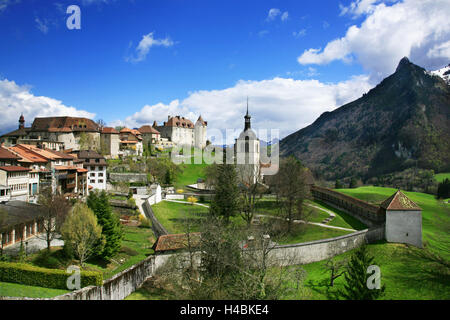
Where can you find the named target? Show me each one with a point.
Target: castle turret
(21, 122)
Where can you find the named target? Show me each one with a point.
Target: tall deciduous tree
(98, 202)
(81, 232)
(289, 184)
(55, 208)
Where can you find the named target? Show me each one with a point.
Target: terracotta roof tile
(176, 241)
(148, 129)
(14, 168)
(6, 154)
(399, 202)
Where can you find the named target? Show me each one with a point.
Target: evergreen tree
(225, 203)
(109, 221)
(443, 190)
(338, 184)
(356, 276)
(353, 183)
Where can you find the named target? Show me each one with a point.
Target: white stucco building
(403, 220)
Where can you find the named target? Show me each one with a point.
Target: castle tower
(200, 133)
(21, 122)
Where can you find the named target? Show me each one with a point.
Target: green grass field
(435, 214)
(309, 232)
(19, 290)
(176, 216)
(136, 246)
(442, 176)
(190, 173)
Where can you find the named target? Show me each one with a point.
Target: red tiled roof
(14, 168)
(64, 124)
(28, 155)
(399, 202)
(179, 122)
(125, 130)
(148, 129)
(6, 154)
(176, 241)
(109, 130)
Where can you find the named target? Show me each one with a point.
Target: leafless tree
(290, 186)
(336, 269)
(55, 208)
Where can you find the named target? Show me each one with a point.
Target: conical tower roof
(399, 201)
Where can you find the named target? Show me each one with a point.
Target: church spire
(247, 119)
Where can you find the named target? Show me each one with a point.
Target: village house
(54, 168)
(110, 142)
(130, 142)
(96, 165)
(17, 180)
(21, 222)
(150, 136)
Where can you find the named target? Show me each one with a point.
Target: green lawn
(309, 232)
(439, 177)
(435, 214)
(19, 290)
(407, 276)
(342, 219)
(175, 216)
(190, 173)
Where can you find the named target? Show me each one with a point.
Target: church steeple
(247, 119)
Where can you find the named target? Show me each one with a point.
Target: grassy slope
(311, 233)
(405, 274)
(435, 214)
(173, 215)
(139, 240)
(190, 173)
(442, 176)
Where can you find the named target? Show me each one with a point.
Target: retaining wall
(157, 227)
(369, 214)
(128, 177)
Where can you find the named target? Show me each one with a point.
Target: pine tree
(110, 223)
(225, 203)
(356, 276)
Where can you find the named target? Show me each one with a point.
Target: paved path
(34, 244)
(302, 221)
(187, 202)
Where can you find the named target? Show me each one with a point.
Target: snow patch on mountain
(444, 73)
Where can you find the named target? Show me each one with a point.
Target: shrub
(46, 260)
(145, 223)
(49, 278)
(129, 251)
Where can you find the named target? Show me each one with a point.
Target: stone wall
(308, 252)
(157, 227)
(369, 214)
(128, 177)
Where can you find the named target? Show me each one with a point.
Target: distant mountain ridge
(403, 122)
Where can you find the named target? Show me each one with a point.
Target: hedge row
(49, 278)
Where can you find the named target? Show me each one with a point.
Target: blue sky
(137, 61)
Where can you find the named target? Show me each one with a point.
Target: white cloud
(16, 99)
(273, 13)
(42, 25)
(298, 34)
(279, 103)
(262, 33)
(146, 43)
(440, 50)
(418, 29)
(5, 3)
(359, 7)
